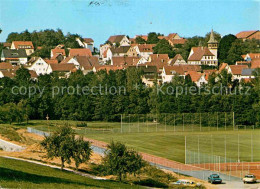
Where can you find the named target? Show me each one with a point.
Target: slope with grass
(20, 174)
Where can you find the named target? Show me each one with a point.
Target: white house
(14, 56)
(27, 45)
(198, 78)
(169, 72)
(86, 43)
(122, 40)
(38, 65)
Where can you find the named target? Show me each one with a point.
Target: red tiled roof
(51, 61)
(255, 63)
(109, 67)
(176, 57)
(187, 68)
(165, 57)
(17, 44)
(87, 62)
(7, 44)
(245, 34)
(125, 61)
(146, 47)
(8, 73)
(62, 67)
(237, 69)
(199, 52)
(80, 52)
(88, 40)
(170, 69)
(58, 51)
(33, 74)
(222, 67)
(5, 66)
(116, 38)
(178, 41)
(195, 76)
(145, 37)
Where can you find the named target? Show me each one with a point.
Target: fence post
(138, 124)
(233, 120)
(217, 121)
(198, 149)
(185, 149)
(200, 121)
(165, 123)
(174, 122)
(252, 152)
(225, 121)
(238, 147)
(121, 123)
(182, 121)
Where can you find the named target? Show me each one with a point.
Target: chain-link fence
(233, 154)
(181, 122)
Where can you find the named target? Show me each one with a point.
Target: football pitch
(169, 142)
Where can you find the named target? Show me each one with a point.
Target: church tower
(213, 44)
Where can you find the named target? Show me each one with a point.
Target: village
(120, 52)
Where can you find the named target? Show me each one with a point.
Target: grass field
(20, 174)
(170, 144)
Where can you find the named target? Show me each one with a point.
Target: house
(27, 45)
(250, 56)
(158, 58)
(107, 68)
(103, 51)
(144, 50)
(63, 70)
(150, 74)
(14, 56)
(169, 72)
(236, 71)
(38, 65)
(86, 43)
(247, 73)
(7, 45)
(83, 63)
(255, 63)
(120, 40)
(177, 60)
(56, 52)
(60, 46)
(125, 61)
(198, 78)
(117, 51)
(7, 73)
(244, 35)
(205, 55)
(80, 52)
(6, 66)
(132, 50)
(174, 39)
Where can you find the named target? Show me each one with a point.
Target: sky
(99, 19)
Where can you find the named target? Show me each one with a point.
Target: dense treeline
(46, 39)
(122, 92)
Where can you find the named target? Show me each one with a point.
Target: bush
(82, 124)
(151, 183)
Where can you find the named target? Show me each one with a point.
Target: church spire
(212, 38)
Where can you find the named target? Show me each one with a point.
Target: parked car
(249, 179)
(214, 178)
(184, 182)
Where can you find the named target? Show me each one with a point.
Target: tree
(60, 144)
(224, 47)
(152, 38)
(22, 75)
(81, 151)
(163, 47)
(140, 40)
(119, 160)
(235, 52)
